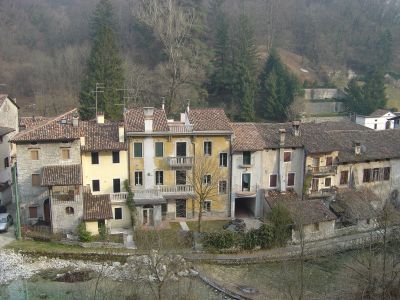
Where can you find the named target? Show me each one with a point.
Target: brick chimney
(148, 118)
(121, 133)
(296, 128)
(100, 118)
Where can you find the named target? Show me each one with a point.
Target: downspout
(193, 174)
(304, 172)
(230, 178)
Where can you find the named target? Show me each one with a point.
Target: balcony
(118, 197)
(180, 162)
(180, 128)
(159, 193)
(323, 193)
(241, 192)
(322, 170)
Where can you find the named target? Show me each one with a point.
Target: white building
(379, 120)
(8, 128)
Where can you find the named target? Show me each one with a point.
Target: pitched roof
(356, 204)
(100, 137)
(309, 212)
(61, 175)
(209, 119)
(3, 98)
(96, 207)
(5, 130)
(246, 137)
(59, 128)
(28, 122)
(134, 120)
(379, 113)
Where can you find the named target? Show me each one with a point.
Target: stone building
(8, 128)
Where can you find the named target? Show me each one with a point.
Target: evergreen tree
(365, 98)
(278, 88)
(104, 66)
(244, 69)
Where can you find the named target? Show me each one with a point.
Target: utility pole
(99, 89)
(16, 198)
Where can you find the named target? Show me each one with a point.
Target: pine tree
(244, 69)
(278, 88)
(104, 66)
(354, 98)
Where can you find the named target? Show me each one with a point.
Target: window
(138, 178)
(69, 210)
(115, 157)
(33, 212)
(65, 154)
(159, 177)
(207, 205)
(246, 158)
(207, 179)
(329, 161)
(273, 180)
(375, 126)
(207, 148)
(6, 162)
(375, 174)
(223, 159)
(180, 177)
(96, 185)
(290, 180)
(222, 187)
(116, 185)
(344, 177)
(367, 175)
(287, 156)
(328, 182)
(137, 150)
(35, 180)
(386, 173)
(315, 227)
(95, 158)
(159, 149)
(246, 178)
(118, 213)
(35, 154)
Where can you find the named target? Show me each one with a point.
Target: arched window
(69, 210)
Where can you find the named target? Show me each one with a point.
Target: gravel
(14, 265)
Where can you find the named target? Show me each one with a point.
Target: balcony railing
(180, 162)
(180, 128)
(119, 197)
(322, 193)
(322, 170)
(163, 191)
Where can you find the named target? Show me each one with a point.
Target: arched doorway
(46, 211)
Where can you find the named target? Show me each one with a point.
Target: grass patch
(163, 239)
(393, 95)
(111, 238)
(208, 226)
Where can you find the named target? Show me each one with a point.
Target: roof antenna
(163, 103)
(187, 105)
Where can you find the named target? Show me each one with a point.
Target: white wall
(380, 122)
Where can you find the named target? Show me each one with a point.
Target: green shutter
(137, 150)
(159, 149)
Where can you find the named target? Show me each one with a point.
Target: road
(7, 237)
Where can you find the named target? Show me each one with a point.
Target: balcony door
(148, 218)
(181, 149)
(181, 208)
(314, 184)
(246, 181)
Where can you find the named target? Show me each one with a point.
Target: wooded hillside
(45, 45)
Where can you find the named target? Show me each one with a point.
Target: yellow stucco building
(164, 156)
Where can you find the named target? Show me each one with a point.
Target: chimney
(100, 118)
(163, 103)
(188, 106)
(282, 137)
(83, 141)
(148, 118)
(357, 148)
(75, 120)
(121, 133)
(296, 128)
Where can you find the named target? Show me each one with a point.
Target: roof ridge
(46, 123)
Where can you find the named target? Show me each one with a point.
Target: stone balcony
(322, 170)
(180, 128)
(119, 197)
(180, 162)
(162, 192)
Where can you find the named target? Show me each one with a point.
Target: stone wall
(319, 94)
(63, 222)
(327, 107)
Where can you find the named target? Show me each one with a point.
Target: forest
(213, 52)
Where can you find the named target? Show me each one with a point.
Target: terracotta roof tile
(247, 137)
(209, 119)
(356, 204)
(96, 207)
(100, 137)
(379, 113)
(134, 120)
(59, 128)
(28, 122)
(61, 175)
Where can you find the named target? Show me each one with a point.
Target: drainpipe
(304, 173)
(193, 174)
(230, 178)
(17, 212)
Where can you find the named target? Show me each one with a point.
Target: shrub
(281, 224)
(265, 236)
(84, 235)
(251, 240)
(103, 234)
(220, 240)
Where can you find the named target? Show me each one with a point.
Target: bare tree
(172, 25)
(205, 181)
